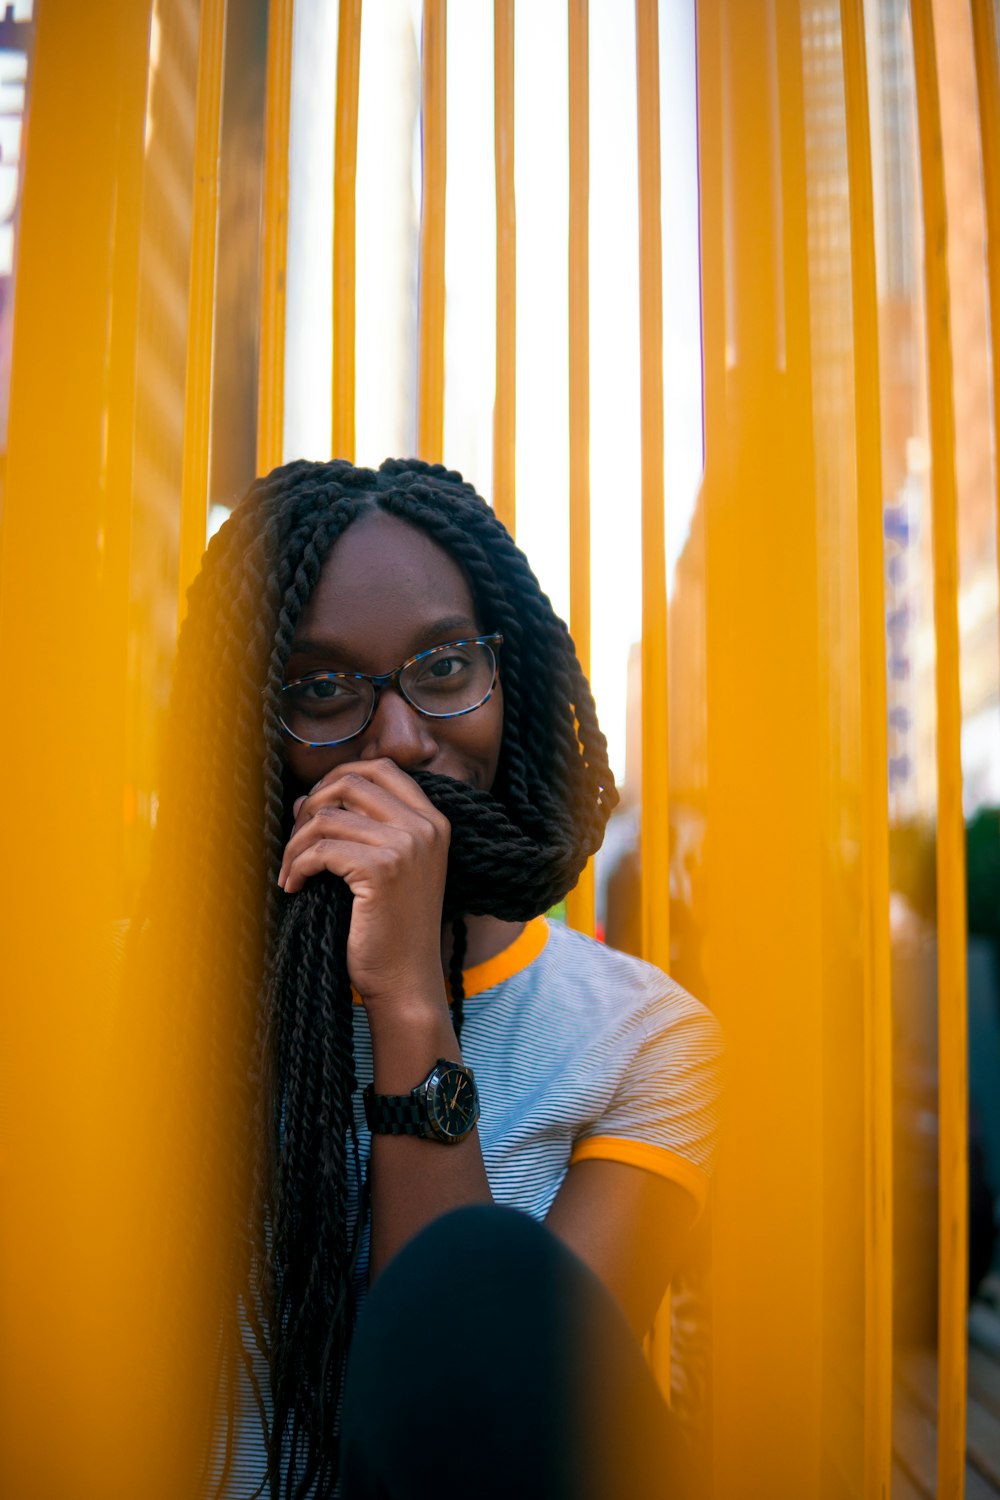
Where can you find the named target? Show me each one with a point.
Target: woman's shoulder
(582, 973)
(592, 962)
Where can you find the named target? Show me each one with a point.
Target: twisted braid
(255, 984)
(456, 982)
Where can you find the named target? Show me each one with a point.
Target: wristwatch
(445, 1107)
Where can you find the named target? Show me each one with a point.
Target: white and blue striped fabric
(579, 1053)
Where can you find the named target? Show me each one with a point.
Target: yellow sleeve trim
(656, 1159)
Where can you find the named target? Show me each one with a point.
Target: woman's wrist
(409, 1033)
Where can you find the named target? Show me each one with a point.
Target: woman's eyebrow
(453, 625)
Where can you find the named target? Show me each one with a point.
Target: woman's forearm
(414, 1181)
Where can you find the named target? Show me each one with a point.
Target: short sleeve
(664, 1114)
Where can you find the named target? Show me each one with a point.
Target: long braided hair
(264, 976)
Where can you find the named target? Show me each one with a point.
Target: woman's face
(387, 591)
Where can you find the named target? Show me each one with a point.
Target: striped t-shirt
(580, 1053)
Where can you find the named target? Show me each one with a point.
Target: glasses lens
(451, 679)
(326, 707)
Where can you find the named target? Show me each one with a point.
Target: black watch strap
(444, 1106)
(393, 1114)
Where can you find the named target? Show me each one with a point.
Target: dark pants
(490, 1362)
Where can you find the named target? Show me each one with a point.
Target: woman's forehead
(383, 586)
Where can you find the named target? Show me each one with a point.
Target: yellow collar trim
(510, 960)
(503, 965)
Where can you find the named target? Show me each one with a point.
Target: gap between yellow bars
(433, 127)
(201, 298)
(345, 172)
(953, 1147)
(655, 837)
(580, 902)
(271, 361)
(878, 1224)
(984, 31)
(504, 410)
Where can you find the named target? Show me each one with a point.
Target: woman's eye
(321, 690)
(442, 668)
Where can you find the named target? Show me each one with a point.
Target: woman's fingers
(375, 787)
(358, 863)
(335, 823)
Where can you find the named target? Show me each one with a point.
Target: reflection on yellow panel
(504, 413)
(953, 1191)
(580, 901)
(430, 414)
(344, 206)
(271, 365)
(201, 301)
(766, 797)
(79, 1322)
(655, 829)
(874, 885)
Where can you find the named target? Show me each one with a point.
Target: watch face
(452, 1103)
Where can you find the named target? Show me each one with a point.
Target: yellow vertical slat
(504, 411)
(766, 851)
(345, 171)
(655, 836)
(878, 1226)
(580, 902)
(68, 519)
(953, 1102)
(271, 365)
(433, 130)
(201, 296)
(984, 33)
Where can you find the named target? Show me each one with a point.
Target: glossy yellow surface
(433, 136)
(580, 901)
(504, 410)
(78, 1318)
(878, 1241)
(344, 217)
(271, 363)
(987, 54)
(201, 297)
(831, 359)
(765, 841)
(953, 1042)
(655, 831)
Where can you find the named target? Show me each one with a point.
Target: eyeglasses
(327, 708)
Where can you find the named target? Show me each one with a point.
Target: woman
(384, 766)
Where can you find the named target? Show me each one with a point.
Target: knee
(494, 1260)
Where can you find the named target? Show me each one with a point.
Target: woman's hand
(370, 823)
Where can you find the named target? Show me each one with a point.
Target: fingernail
(297, 804)
(281, 879)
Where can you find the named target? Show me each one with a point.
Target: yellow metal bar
(580, 902)
(953, 1101)
(504, 411)
(984, 31)
(201, 297)
(655, 837)
(877, 1000)
(271, 366)
(345, 171)
(68, 525)
(433, 125)
(767, 797)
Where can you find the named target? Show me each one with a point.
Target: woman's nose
(398, 732)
